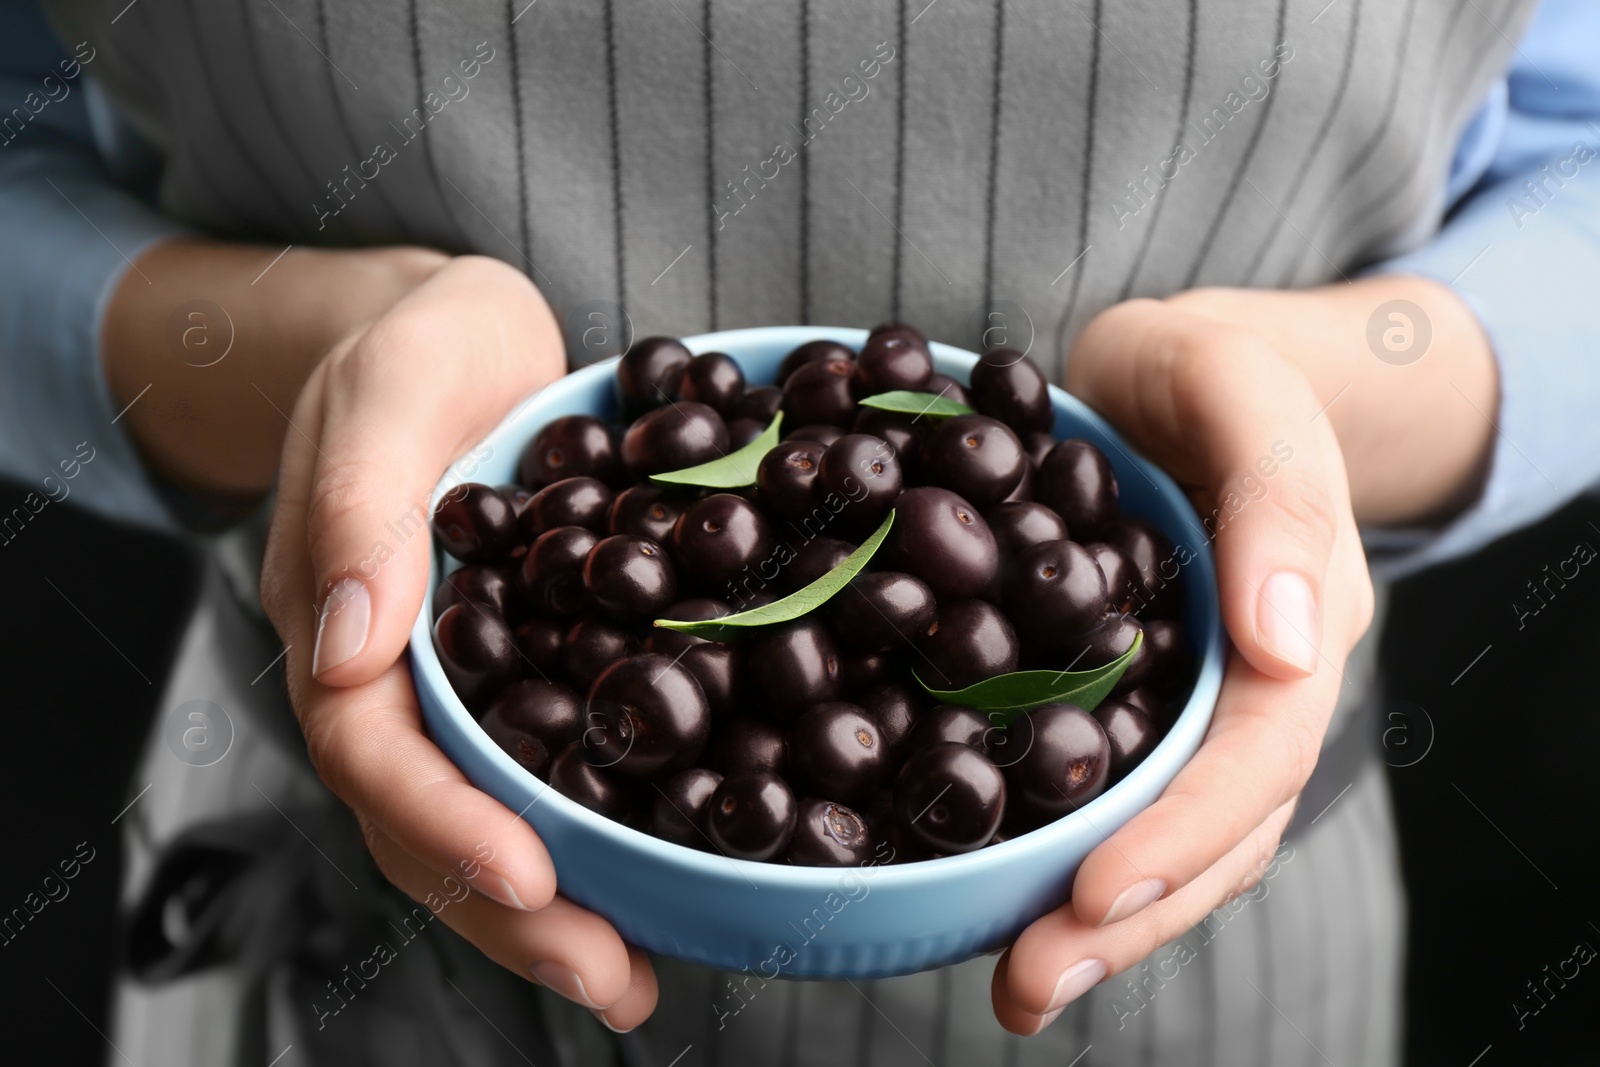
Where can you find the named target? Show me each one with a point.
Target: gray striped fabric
(988, 169)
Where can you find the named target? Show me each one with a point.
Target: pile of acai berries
(865, 611)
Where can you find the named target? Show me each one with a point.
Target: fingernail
(614, 1029)
(1287, 622)
(498, 890)
(1074, 982)
(342, 627)
(1134, 899)
(1045, 1020)
(564, 980)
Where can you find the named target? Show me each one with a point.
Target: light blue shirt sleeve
(1522, 247)
(70, 234)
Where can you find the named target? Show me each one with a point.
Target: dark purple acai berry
(892, 358)
(968, 641)
(580, 501)
(827, 834)
(629, 578)
(942, 539)
(645, 510)
(857, 674)
(680, 435)
(793, 666)
(751, 816)
(591, 645)
(822, 433)
(883, 611)
(1055, 589)
(894, 708)
(1067, 765)
(950, 797)
(477, 652)
(811, 352)
(759, 402)
(574, 777)
(837, 753)
(571, 446)
(551, 576)
(1130, 733)
(1122, 578)
(746, 744)
(475, 523)
(975, 457)
(539, 641)
(949, 722)
(864, 473)
(532, 720)
(719, 537)
(1020, 524)
(742, 432)
(1153, 557)
(942, 385)
(647, 717)
(786, 478)
(680, 807)
(1007, 386)
(479, 583)
(715, 380)
(1077, 483)
(814, 559)
(647, 374)
(819, 392)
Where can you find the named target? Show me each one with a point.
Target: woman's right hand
(380, 418)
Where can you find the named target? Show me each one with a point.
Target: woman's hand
(1218, 388)
(377, 423)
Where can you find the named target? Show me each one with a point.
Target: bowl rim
(1185, 733)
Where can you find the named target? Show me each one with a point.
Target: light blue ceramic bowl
(802, 921)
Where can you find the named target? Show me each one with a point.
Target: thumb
(1222, 411)
(399, 405)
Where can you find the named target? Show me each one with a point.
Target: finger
(1060, 957)
(563, 947)
(639, 1001)
(1217, 406)
(410, 397)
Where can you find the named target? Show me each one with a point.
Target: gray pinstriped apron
(674, 166)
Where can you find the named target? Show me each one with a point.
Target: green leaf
(933, 405)
(1022, 690)
(793, 606)
(736, 469)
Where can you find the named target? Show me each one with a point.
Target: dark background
(1497, 892)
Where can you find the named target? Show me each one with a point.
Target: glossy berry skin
(1156, 595)
(1056, 589)
(759, 402)
(975, 457)
(1068, 764)
(551, 576)
(827, 834)
(793, 666)
(477, 652)
(940, 384)
(894, 709)
(518, 496)
(882, 611)
(751, 816)
(968, 641)
(743, 431)
(1130, 733)
(1104, 642)
(1007, 386)
(574, 777)
(837, 753)
(568, 447)
(1077, 483)
(903, 432)
(647, 717)
(475, 523)
(680, 807)
(857, 674)
(539, 641)
(718, 537)
(580, 501)
(814, 559)
(667, 439)
(949, 797)
(746, 744)
(811, 352)
(949, 722)
(1026, 486)
(822, 433)
(1021, 524)
(479, 583)
(1169, 655)
(715, 380)
(942, 539)
(593, 644)
(787, 476)
(1122, 578)
(894, 358)
(1038, 446)
(630, 578)
(532, 720)
(864, 473)
(647, 373)
(645, 510)
(716, 666)
(819, 392)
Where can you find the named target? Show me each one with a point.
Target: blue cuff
(1526, 263)
(70, 237)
